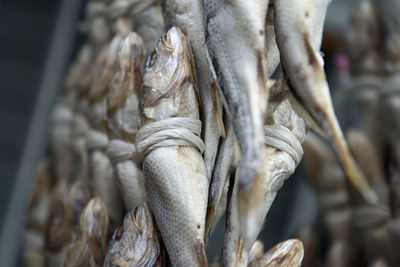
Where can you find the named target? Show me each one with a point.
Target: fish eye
(152, 59)
(164, 38)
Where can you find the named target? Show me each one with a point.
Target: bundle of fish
(361, 233)
(174, 142)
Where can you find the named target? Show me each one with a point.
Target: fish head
(103, 78)
(137, 240)
(94, 219)
(170, 84)
(130, 67)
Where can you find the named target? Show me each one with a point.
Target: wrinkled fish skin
(101, 177)
(39, 208)
(66, 205)
(148, 22)
(219, 182)
(188, 15)
(175, 177)
(137, 242)
(298, 26)
(89, 246)
(279, 165)
(287, 253)
(123, 115)
(365, 83)
(235, 42)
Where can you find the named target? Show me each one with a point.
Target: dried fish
(188, 15)
(89, 246)
(219, 183)
(369, 161)
(256, 251)
(241, 78)
(233, 252)
(61, 143)
(272, 56)
(123, 119)
(366, 65)
(137, 242)
(66, 205)
(169, 143)
(235, 42)
(102, 181)
(39, 208)
(371, 221)
(298, 26)
(287, 253)
(148, 22)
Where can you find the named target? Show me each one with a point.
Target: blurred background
(38, 39)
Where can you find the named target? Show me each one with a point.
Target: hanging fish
(170, 146)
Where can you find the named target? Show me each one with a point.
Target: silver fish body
(188, 15)
(175, 176)
(298, 26)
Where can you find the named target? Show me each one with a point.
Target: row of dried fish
(361, 234)
(197, 130)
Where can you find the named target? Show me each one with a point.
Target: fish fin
(201, 254)
(298, 107)
(218, 111)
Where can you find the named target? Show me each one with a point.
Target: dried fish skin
(39, 211)
(242, 82)
(188, 15)
(365, 41)
(102, 180)
(367, 158)
(272, 55)
(96, 24)
(62, 115)
(175, 175)
(366, 65)
(287, 253)
(104, 185)
(66, 205)
(148, 22)
(89, 246)
(100, 84)
(123, 119)
(284, 131)
(61, 146)
(217, 197)
(137, 242)
(123, 95)
(79, 128)
(298, 26)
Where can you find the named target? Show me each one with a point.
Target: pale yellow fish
(175, 175)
